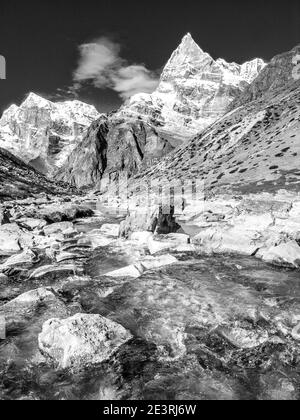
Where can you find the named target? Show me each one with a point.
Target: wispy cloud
(100, 63)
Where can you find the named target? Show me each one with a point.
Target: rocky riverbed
(90, 315)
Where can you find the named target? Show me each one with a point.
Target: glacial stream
(210, 327)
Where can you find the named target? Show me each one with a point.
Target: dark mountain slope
(18, 180)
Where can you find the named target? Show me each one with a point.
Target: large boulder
(222, 239)
(58, 228)
(31, 223)
(25, 257)
(64, 213)
(285, 254)
(147, 263)
(151, 220)
(54, 270)
(81, 341)
(13, 239)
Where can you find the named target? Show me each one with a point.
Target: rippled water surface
(184, 320)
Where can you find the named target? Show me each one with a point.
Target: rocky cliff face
(194, 91)
(86, 165)
(113, 145)
(43, 133)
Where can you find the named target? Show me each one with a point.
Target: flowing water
(191, 326)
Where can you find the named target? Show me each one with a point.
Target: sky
(49, 46)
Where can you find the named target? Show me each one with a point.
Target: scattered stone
(81, 341)
(32, 224)
(133, 270)
(150, 262)
(147, 263)
(26, 257)
(67, 256)
(52, 270)
(55, 214)
(58, 228)
(245, 339)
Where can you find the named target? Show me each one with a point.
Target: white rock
(97, 239)
(66, 256)
(223, 239)
(112, 230)
(32, 224)
(32, 296)
(147, 263)
(58, 228)
(245, 339)
(12, 238)
(185, 248)
(25, 257)
(53, 269)
(296, 332)
(150, 262)
(133, 270)
(81, 341)
(141, 238)
(167, 242)
(286, 254)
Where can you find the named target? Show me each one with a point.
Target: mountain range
(217, 120)
(43, 133)
(194, 91)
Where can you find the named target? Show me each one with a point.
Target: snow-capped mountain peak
(194, 90)
(35, 100)
(187, 56)
(45, 131)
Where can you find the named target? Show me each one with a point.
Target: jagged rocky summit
(43, 133)
(194, 91)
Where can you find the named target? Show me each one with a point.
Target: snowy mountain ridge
(194, 91)
(42, 132)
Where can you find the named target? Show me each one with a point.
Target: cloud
(100, 64)
(134, 79)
